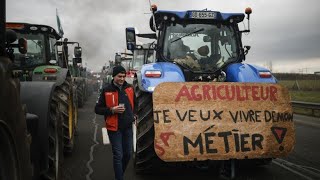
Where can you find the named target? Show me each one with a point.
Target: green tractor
(41, 64)
(31, 143)
(78, 73)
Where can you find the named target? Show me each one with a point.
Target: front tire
(55, 155)
(145, 159)
(66, 105)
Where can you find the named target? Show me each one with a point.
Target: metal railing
(306, 105)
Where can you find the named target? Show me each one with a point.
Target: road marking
(105, 137)
(300, 169)
(92, 148)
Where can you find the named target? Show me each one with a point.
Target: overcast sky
(284, 32)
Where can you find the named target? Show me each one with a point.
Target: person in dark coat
(117, 103)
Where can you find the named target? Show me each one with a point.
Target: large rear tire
(55, 155)
(9, 163)
(66, 105)
(15, 163)
(145, 159)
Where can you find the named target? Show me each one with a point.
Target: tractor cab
(42, 57)
(41, 42)
(143, 54)
(199, 42)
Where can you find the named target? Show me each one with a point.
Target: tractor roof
(217, 16)
(32, 28)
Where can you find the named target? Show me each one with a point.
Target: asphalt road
(92, 160)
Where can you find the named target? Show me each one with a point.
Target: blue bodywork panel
(241, 72)
(170, 72)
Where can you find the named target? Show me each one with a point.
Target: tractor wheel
(80, 96)
(15, 140)
(66, 105)
(55, 140)
(9, 163)
(145, 159)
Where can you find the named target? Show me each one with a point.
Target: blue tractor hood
(242, 72)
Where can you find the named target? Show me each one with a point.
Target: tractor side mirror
(22, 45)
(246, 49)
(11, 37)
(77, 60)
(130, 38)
(77, 52)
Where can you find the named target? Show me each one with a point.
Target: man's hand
(118, 109)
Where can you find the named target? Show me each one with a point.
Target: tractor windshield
(36, 51)
(200, 47)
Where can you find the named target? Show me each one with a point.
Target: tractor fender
(62, 75)
(242, 72)
(170, 72)
(138, 74)
(37, 96)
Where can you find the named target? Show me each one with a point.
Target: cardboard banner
(219, 121)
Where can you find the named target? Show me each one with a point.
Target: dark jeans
(122, 148)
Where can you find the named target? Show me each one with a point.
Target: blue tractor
(191, 46)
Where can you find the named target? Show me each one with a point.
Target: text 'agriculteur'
(227, 92)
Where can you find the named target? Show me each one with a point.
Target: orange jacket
(111, 100)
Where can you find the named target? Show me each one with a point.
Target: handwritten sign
(220, 121)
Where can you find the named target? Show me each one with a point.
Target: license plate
(202, 15)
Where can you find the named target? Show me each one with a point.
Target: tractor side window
(227, 46)
(53, 51)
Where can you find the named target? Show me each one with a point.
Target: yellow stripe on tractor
(70, 111)
(221, 121)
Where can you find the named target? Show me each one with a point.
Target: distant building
(317, 73)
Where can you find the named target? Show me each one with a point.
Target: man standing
(116, 103)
